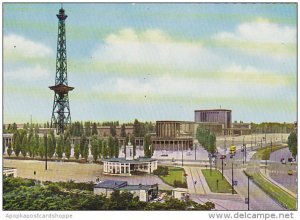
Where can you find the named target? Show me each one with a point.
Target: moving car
(290, 172)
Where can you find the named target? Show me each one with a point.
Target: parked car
(223, 157)
(283, 161)
(290, 159)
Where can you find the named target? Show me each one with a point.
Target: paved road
(279, 172)
(259, 200)
(222, 203)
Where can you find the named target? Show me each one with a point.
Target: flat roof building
(144, 192)
(220, 116)
(126, 166)
(173, 135)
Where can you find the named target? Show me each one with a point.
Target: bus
(232, 149)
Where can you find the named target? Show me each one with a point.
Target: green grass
(223, 185)
(275, 192)
(264, 153)
(175, 173)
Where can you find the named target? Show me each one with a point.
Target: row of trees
(292, 143)
(272, 127)
(206, 139)
(22, 194)
(32, 145)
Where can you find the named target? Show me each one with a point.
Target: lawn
(223, 185)
(175, 173)
(275, 192)
(264, 153)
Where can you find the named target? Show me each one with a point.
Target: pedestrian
(34, 172)
(195, 182)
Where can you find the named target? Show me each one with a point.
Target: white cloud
(20, 46)
(153, 46)
(261, 31)
(28, 73)
(261, 36)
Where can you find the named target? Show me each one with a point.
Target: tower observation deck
(61, 115)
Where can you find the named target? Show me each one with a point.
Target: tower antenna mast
(61, 115)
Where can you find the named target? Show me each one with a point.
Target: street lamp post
(181, 154)
(245, 153)
(46, 167)
(222, 168)
(210, 164)
(232, 182)
(261, 143)
(266, 166)
(265, 139)
(248, 193)
(195, 150)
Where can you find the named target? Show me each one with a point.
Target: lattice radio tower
(61, 115)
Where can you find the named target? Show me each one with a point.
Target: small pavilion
(125, 166)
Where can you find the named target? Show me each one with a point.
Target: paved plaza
(64, 171)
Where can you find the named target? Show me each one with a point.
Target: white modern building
(125, 166)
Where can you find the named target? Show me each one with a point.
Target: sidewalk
(267, 176)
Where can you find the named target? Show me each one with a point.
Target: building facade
(128, 165)
(173, 135)
(219, 116)
(145, 193)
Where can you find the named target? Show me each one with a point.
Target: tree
(116, 147)
(76, 150)
(212, 144)
(111, 146)
(86, 151)
(35, 144)
(94, 129)
(147, 146)
(68, 148)
(83, 143)
(24, 145)
(104, 149)
(113, 130)
(16, 143)
(9, 149)
(51, 145)
(100, 148)
(136, 128)
(87, 126)
(94, 147)
(31, 144)
(60, 146)
(42, 146)
(123, 131)
(292, 143)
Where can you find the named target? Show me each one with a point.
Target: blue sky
(153, 61)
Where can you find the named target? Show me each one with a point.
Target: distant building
(7, 139)
(9, 171)
(103, 131)
(128, 130)
(128, 165)
(173, 135)
(145, 193)
(217, 116)
(180, 193)
(240, 129)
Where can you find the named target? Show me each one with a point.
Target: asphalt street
(259, 200)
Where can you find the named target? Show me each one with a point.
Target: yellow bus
(232, 149)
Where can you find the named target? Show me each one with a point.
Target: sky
(152, 61)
